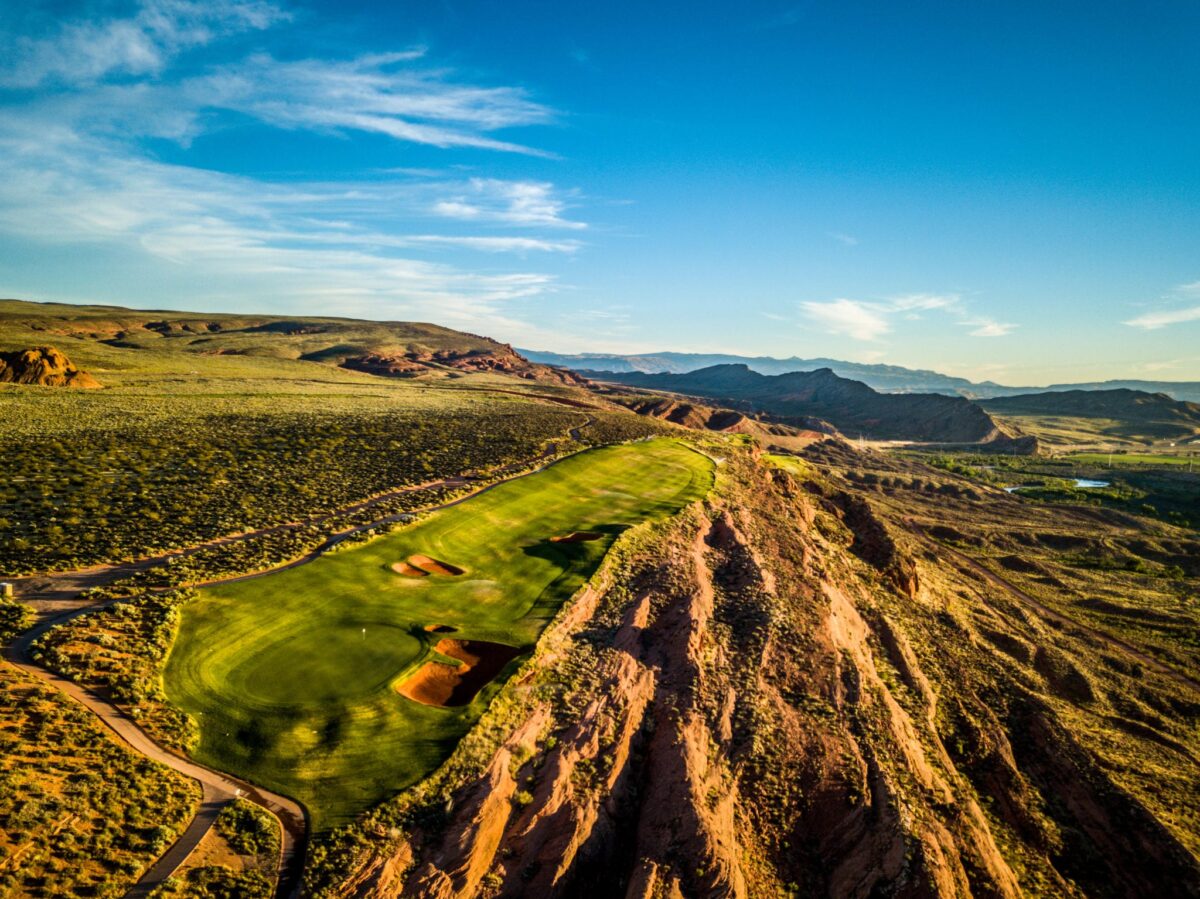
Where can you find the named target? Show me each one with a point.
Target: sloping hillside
(393, 349)
(850, 406)
(1122, 413)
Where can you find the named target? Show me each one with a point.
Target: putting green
(292, 676)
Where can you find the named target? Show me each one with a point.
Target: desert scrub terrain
(236, 859)
(80, 815)
(118, 651)
(1091, 613)
(1152, 486)
(784, 691)
(15, 617)
(112, 490)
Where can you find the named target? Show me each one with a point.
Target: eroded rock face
(736, 712)
(44, 366)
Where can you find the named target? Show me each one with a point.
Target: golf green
(292, 676)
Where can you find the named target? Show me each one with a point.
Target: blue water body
(1082, 483)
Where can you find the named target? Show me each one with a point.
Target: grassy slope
(289, 690)
(77, 330)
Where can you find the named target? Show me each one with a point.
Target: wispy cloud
(78, 171)
(924, 302)
(497, 244)
(848, 240)
(509, 202)
(851, 318)
(986, 327)
(1152, 321)
(870, 320)
(83, 52)
(381, 93)
(1162, 318)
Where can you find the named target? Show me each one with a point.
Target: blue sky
(995, 190)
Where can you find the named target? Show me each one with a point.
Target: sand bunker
(436, 683)
(439, 629)
(577, 537)
(433, 566)
(408, 570)
(423, 566)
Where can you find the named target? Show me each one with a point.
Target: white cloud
(986, 327)
(1162, 318)
(848, 240)
(528, 203)
(851, 318)
(143, 44)
(75, 173)
(380, 93)
(924, 302)
(306, 245)
(497, 244)
(870, 320)
(1152, 321)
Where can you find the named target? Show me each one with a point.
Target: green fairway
(1145, 460)
(292, 675)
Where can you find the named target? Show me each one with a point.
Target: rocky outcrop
(706, 418)
(44, 366)
(505, 360)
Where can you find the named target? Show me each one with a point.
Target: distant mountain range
(851, 406)
(884, 378)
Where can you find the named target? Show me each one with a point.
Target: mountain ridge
(853, 407)
(881, 377)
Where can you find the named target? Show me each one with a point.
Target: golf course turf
(293, 676)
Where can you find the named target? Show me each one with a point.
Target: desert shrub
(137, 489)
(15, 617)
(215, 882)
(248, 829)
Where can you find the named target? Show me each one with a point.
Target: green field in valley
(1145, 460)
(293, 675)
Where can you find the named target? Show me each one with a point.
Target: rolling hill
(393, 349)
(1121, 414)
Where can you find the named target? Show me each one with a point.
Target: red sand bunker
(439, 684)
(577, 537)
(423, 566)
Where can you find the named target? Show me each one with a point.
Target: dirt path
(1048, 613)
